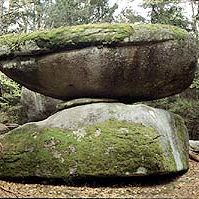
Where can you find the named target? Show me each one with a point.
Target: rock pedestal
(95, 138)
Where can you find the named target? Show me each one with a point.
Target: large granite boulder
(118, 61)
(95, 140)
(37, 106)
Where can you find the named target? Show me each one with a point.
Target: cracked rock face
(101, 139)
(125, 62)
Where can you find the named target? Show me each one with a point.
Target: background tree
(100, 11)
(166, 12)
(29, 15)
(128, 15)
(1, 16)
(67, 12)
(26, 15)
(195, 16)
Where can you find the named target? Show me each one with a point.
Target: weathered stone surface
(194, 145)
(73, 37)
(194, 150)
(37, 106)
(120, 61)
(5, 128)
(97, 140)
(12, 126)
(81, 101)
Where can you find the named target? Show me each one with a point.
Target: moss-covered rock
(110, 143)
(117, 61)
(73, 37)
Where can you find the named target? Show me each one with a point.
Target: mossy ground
(106, 149)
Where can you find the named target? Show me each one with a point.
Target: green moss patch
(86, 35)
(111, 148)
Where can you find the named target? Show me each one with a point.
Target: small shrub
(195, 83)
(10, 111)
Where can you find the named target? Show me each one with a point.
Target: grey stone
(82, 101)
(37, 106)
(194, 145)
(100, 139)
(147, 62)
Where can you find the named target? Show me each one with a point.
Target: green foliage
(10, 108)
(67, 12)
(25, 15)
(28, 15)
(128, 15)
(186, 107)
(195, 83)
(9, 87)
(166, 12)
(11, 92)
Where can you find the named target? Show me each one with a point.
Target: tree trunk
(153, 13)
(195, 15)
(1, 16)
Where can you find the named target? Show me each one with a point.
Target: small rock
(194, 145)
(12, 126)
(82, 101)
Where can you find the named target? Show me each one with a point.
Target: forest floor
(184, 186)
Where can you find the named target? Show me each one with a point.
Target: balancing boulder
(119, 61)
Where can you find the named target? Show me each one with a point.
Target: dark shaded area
(111, 181)
(47, 48)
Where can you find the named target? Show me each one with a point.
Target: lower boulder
(97, 140)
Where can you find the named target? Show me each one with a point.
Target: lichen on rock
(123, 62)
(111, 153)
(71, 37)
(116, 146)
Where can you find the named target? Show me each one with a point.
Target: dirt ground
(184, 186)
